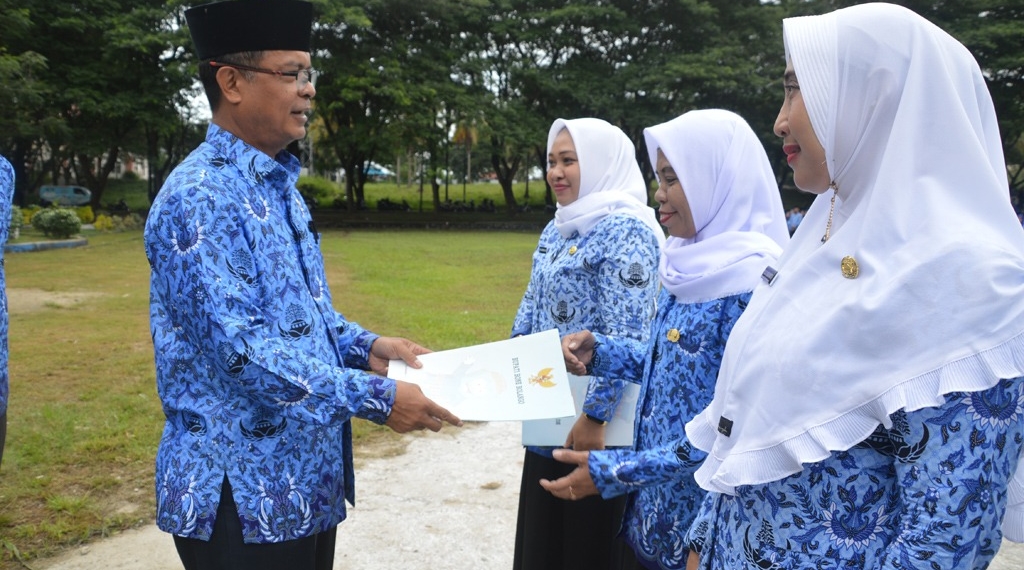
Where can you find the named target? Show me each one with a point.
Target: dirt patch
(23, 301)
(447, 503)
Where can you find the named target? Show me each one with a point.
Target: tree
(388, 81)
(23, 95)
(107, 78)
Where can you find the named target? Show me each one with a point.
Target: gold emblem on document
(850, 268)
(544, 378)
(673, 335)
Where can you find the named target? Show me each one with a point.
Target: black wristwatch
(597, 421)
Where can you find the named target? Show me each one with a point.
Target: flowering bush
(85, 214)
(103, 223)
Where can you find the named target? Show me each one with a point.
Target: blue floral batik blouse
(679, 367)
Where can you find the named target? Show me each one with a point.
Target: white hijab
(817, 361)
(734, 199)
(610, 178)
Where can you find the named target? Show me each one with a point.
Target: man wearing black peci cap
(258, 374)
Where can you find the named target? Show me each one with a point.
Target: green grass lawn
(84, 417)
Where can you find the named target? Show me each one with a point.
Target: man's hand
(575, 485)
(388, 348)
(413, 411)
(578, 351)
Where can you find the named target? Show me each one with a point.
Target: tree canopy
(432, 87)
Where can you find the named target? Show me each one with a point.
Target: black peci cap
(250, 25)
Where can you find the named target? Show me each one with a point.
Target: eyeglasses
(303, 77)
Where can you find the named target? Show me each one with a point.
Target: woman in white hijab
(594, 268)
(869, 412)
(721, 207)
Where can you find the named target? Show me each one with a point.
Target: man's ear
(230, 80)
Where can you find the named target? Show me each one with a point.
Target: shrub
(60, 223)
(85, 214)
(317, 190)
(40, 218)
(17, 218)
(128, 223)
(103, 223)
(29, 212)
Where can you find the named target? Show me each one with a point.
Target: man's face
(274, 111)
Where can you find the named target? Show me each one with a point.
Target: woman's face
(564, 169)
(673, 210)
(804, 152)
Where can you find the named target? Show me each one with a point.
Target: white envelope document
(522, 378)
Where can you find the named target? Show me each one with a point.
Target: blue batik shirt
(929, 493)
(605, 281)
(679, 368)
(257, 373)
(6, 196)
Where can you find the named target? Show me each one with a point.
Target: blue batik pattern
(6, 197)
(929, 493)
(679, 368)
(257, 373)
(606, 281)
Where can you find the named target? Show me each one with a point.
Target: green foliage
(91, 80)
(17, 218)
(128, 223)
(321, 190)
(103, 223)
(30, 211)
(60, 223)
(85, 214)
(132, 192)
(476, 193)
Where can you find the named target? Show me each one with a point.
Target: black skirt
(555, 534)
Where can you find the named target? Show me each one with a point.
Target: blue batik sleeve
(618, 471)
(618, 357)
(354, 343)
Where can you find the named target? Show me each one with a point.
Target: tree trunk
(506, 174)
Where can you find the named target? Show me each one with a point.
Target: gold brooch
(673, 335)
(849, 267)
(572, 250)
